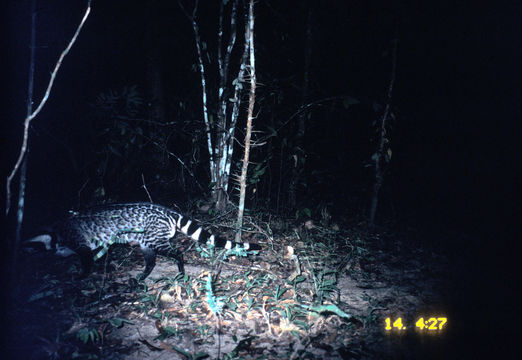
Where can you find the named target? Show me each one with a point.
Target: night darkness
(455, 134)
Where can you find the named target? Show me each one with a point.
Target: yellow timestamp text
(431, 324)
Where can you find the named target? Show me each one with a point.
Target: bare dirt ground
(300, 298)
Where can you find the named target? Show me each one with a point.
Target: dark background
(455, 140)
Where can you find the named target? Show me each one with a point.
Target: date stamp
(432, 324)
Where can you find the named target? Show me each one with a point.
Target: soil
(312, 293)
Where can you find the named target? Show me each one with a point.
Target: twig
(29, 118)
(164, 148)
(80, 192)
(145, 187)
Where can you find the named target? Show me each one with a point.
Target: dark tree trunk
(383, 154)
(23, 172)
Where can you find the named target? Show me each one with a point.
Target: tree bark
(220, 133)
(251, 102)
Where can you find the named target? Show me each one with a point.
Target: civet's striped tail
(153, 227)
(196, 232)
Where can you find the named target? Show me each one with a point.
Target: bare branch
(29, 118)
(164, 148)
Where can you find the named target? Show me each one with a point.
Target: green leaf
(41, 295)
(119, 322)
(86, 334)
(331, 308)
(297, 280)
(200, 355)
(280, 292)
(302, 324)
(182, 352)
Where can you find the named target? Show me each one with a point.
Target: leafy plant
(304, 212)
(257, 173)
(216, 304)
(85, 335)
(325, 283)
(166, 332)
(119, 322)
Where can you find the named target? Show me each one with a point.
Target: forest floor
(314, 292)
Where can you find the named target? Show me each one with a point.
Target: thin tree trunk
(21, 163)
(28, 119)
(252, 98)
(220, 134)
(226, 148)
(23, 172)
(383, 140)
